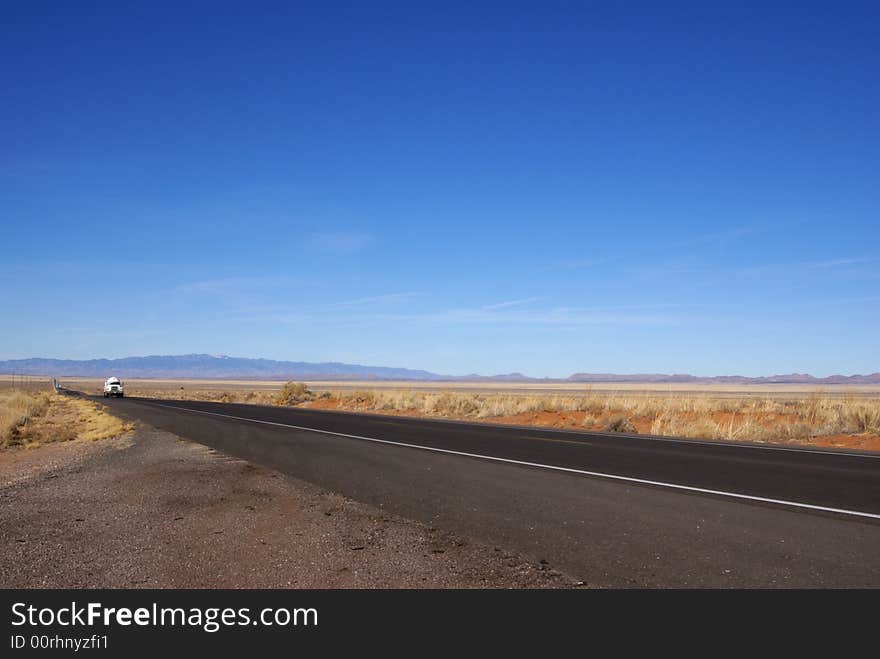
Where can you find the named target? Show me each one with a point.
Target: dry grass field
(30, 418)
(839, 416)
(816, 419)
(146, 387)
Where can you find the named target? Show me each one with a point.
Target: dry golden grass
(19, 411)
(751, 418)
(95, 423)
(705, 417)
(33, 418)
(836, 415)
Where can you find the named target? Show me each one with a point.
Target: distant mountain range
(207, 367)
(791, 378)
(240, 368)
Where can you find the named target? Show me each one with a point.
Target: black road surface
(610, 509)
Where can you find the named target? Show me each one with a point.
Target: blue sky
(545, 188)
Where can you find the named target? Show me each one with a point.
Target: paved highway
(611, 510)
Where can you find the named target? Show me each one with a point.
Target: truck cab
(113, 387)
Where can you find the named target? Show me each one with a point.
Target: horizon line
(575, 376)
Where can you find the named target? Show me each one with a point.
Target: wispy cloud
(510, 303)
(836, 263)
(376, 299)
(556, 316)
(802, 266)
(235, 284)
(818, 303)
(507, 316)
(338, 242)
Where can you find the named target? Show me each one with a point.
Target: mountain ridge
(204, 366)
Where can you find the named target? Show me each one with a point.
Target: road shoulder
(155, 511)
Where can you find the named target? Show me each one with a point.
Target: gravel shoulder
(155, 511)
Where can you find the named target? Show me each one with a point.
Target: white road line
(628, 479)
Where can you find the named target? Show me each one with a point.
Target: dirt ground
(155, 511)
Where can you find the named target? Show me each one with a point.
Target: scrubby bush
(867, 419)
(451, 404)
(621, 424)
(360, 399)
(293, 393)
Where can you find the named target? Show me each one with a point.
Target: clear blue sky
(545, 188)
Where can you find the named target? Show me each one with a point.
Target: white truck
(113, 387)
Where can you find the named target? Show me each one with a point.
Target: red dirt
(861, 442)
(325, 404)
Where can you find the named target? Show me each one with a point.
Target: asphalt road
(611, 510)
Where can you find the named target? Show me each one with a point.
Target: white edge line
(629, 479)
